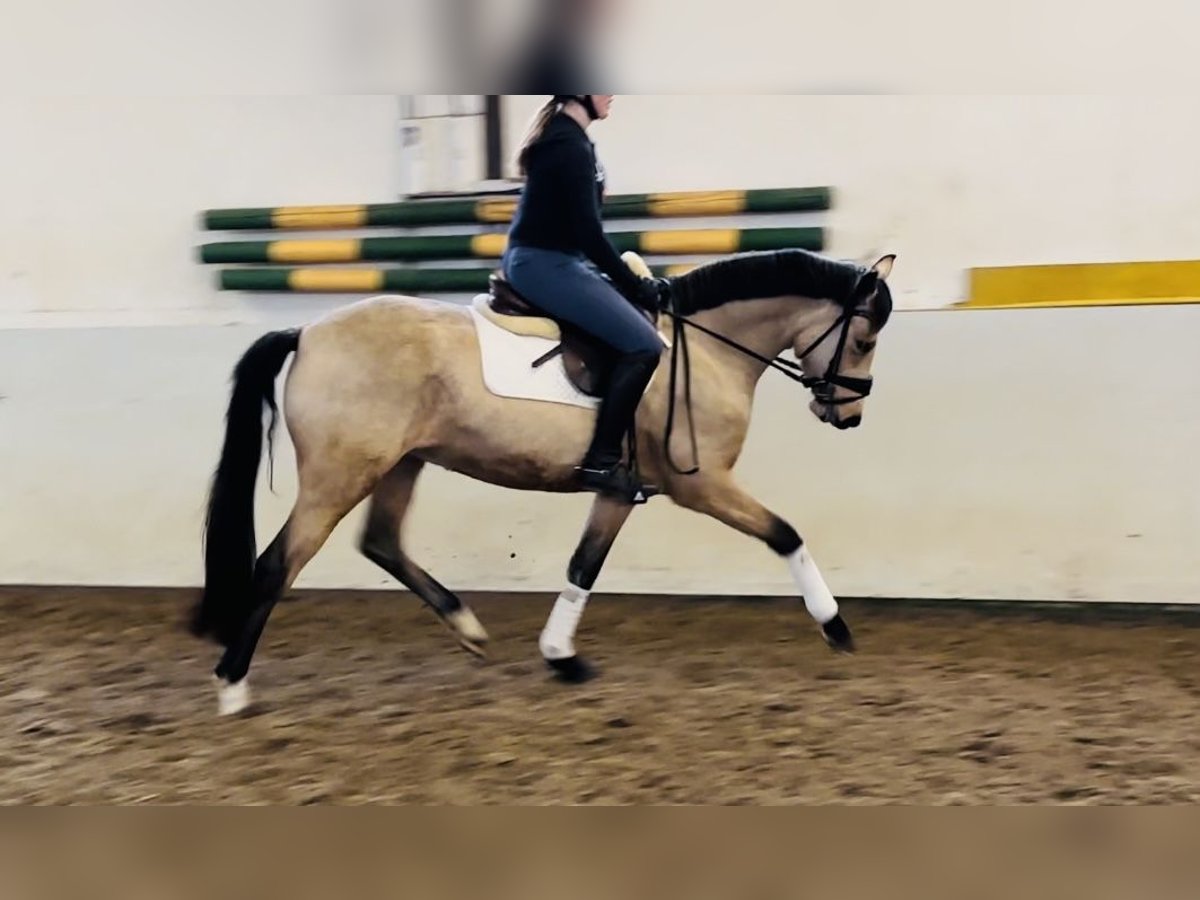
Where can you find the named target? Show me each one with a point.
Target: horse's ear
(868, 283)
(883, 267)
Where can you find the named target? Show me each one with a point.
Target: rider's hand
(664, 292)
(651, 294)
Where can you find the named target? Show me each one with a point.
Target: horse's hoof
(572, 670)
(837, 635)
(232, 698)
(469, 631)
(476, 650)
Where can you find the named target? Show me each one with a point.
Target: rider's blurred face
(603, 104)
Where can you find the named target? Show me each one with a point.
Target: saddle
(588, 363)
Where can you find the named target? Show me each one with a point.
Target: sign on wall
(442, 142)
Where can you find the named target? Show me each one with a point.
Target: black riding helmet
(586, 99)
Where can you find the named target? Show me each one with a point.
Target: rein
(822, 386)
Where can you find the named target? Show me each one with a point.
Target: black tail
(229, 545)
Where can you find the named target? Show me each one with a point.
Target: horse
(384, 386)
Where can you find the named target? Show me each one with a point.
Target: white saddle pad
(508, 367)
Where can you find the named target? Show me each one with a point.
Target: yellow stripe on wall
(723, 240)
(1085, 284)
(319, 216)
(698, 203)
(315, 251)
(336, 280)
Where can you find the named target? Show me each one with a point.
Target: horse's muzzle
(827, 413)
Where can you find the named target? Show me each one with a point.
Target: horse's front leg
(557, 641)
(716, 495)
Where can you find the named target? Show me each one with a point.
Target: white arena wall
(1041, 454)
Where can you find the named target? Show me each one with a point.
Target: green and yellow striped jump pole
(373, 281)
(491, 246)
(499, 210)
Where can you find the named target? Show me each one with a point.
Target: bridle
(823, 386)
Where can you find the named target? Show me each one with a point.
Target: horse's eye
(865, 347)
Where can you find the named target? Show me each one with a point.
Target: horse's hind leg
(381, 543)
(324, 498)
(557, 641)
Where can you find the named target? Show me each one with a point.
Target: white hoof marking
(467, 625)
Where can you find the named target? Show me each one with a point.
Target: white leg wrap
(817, 598)
(558, 637)
(232, 698)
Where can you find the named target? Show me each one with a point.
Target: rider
(557, 229)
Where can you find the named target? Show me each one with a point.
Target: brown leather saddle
(587, 362)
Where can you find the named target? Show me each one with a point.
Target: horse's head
(836, 350)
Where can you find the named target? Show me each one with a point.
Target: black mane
(771, 273)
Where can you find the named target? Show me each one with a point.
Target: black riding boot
(602, 469)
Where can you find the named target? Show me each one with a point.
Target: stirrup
(615, 481)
